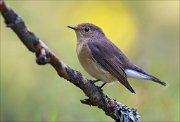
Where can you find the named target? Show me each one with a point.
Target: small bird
(104, 60)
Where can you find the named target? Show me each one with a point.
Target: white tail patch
(135, 74)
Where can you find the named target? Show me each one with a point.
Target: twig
(44, 55)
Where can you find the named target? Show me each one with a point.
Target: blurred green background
(147, 32)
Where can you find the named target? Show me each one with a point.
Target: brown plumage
(103, 60)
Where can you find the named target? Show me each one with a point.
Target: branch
(44, 55)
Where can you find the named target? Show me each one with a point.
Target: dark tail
(156, 80)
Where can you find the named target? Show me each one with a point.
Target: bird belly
(91, 66)
(96, 70)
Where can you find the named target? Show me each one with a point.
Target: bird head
(87, 30)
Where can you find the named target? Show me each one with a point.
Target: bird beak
(73, 27)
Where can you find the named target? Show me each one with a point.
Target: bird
(103, 60)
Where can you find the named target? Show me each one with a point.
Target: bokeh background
(147, 32)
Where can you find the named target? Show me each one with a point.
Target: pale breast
(90, 65)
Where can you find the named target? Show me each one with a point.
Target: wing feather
(110, 58)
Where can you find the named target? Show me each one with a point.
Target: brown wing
(110, 58)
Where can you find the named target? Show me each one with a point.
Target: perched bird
(104, 60)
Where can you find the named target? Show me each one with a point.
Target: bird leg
(94, 81)
(102, 85)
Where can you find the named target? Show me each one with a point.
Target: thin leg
(102, 85)
(94, 81)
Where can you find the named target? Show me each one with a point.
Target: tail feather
(140, 74)
(157, 80)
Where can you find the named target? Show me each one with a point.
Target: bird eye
(87, 29)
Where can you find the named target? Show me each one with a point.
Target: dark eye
(86, 29)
